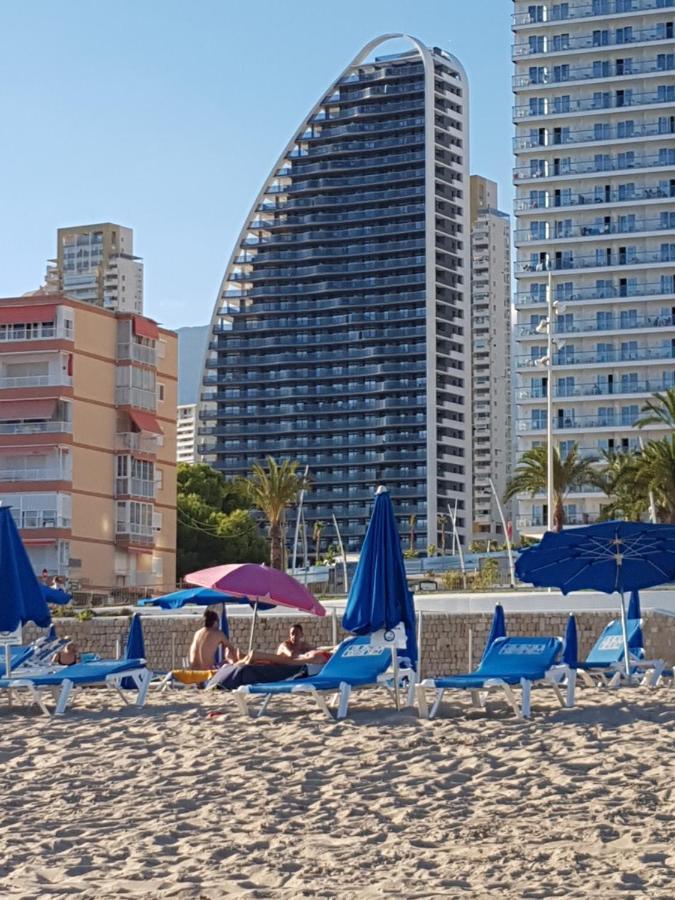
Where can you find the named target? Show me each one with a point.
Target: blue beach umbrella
(636, 641)
(609, 557)
(379, 596)
(54, 595)
(571, 646)
(196, 596)
(498, 629)
(21, 599)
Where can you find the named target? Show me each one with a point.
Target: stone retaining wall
(445, 636)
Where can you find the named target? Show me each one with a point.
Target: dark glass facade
(339, 336)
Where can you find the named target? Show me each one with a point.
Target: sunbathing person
(67, 655)
(206, 642)
(294, 651)
(295, 646)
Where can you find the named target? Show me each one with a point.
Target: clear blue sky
(167, 116)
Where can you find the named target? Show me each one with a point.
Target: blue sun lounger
(62, 680)
(355, 663)
(510, 662)
(604, 665)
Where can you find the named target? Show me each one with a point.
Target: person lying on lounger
(206, 642)
(295, 645)
(294, 651)
(68, 655)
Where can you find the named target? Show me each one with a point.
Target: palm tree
(316, 537)
(442, 522)
(660, 410)
(622, 480)
(570, 472)
(656, 472)
(411, 533)
(271, 490)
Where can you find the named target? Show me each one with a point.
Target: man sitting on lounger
(206, 642)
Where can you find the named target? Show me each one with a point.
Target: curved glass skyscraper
(340, 334)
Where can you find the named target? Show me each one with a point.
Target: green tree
(442, 522)
(272, 490)
(656, 473)
(212, 487)
(412, 521)
(623, 482)
(659, 410)
(316, 536)
(531, 477)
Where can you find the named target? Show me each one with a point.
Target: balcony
(30, 381)
(604, 357)
(34, 332)
(601, 324)
(547, 76)
(580, 423)
(555, 14)
(599, 135)
(138, 535)
(136, 397)
(547, 46)
(596, 389)
(126, 441)
(600, 164)
(139, 353)
(135, 487)
(596, 197)
(52, 427)
(601, 260)
(538, 521)
(45, 473)
(558, 106)
(28, 519)
(561, 232)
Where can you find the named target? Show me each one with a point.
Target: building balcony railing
(601, 260)
(332, 234)
(319, 218)
(136, 397)
(602, 133)
(597, 165)
(29, 381)
(324, 286)
(359, 163)
(275, 256)
(293, 272)
(555, 13)
(579, 423)
(35, 332)
(46, 473)
(603, 324)
(548, 76)
(135, 487)
(544, 45)
(27, 519)
(597, 389)
(319, 340)
(341, 181)
(564, 231)
(558, 106)
(140, 353)
(538, 521)
(129, 440)
(545, 200)
(615, 355)
(139, 535)
(36, 427)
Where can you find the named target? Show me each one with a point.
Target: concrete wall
(445, 637)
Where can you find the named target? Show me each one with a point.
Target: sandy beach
(169, 803)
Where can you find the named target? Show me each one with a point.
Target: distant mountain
(191, 349)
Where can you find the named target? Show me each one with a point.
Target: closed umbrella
(379, 596)
(21, 599)
(613, 557)
(636, 641)
(135, 648)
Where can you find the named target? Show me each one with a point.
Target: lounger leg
(263, 705)
(410, 694)
(525, 698)
(571, 688)
(345, 691)
(143, 686)
(323, 706)
(64, 696)
(241, 698)
(437, 702)
(422, 705)
(586, 678)
(615, 681)
(475, 700)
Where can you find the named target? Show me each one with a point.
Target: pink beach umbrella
(259, 584)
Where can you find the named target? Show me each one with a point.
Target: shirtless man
(294, 651)
(206, 642)
(294, 645)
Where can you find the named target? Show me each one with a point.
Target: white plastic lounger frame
(141, 678)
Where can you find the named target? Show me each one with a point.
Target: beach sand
(168, 803)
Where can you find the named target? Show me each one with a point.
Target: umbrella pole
(624, 629)
(253, 624)
(8, 670)
(394, 663)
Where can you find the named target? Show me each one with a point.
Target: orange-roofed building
(88, 440)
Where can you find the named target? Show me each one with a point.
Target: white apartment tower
(96, 264)
(491, 339)
(186, 432)
(595, 204)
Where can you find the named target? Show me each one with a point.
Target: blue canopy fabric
(379, 596)
(571, 649)
(497, 630)
(135, 648)
(196, 596)
(21, 599)
(608, 557)
(636, 642)
(55, 595)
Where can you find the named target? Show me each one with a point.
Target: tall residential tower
(339, 336)
(595, 206)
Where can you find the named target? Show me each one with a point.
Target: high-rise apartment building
(340, 337)
(96, 264)
(87, 440)
(595, 203)
(491, 364)
(186, 432)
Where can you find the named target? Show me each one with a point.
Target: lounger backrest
(523, 656)
(19, 655)
(355, 657)
(609, 646)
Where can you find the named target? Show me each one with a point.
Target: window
(160, 393)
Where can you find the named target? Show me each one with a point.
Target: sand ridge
(168, 803)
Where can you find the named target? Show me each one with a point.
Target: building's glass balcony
(295, 323)
(28, 519)
(367, 109)
(58, 379)
(394, 351)
(131, 440)
(330, 132)
(546, 76)
(545, 45)
(270, 255)
(377, 91)
(34, 332)
(559, 106)
(602, 323)
(600, 195)
(140, 353)
(397, 262)
(597, 389)
(318, 287)
(557, 13)
(538, 521)
(381, 74)
(317, 201)
(333, 234)
(136, 397)
(135, 487)
(359, 163)
(623, 226)
(354, 215)
(601, 133)
(602, 259)
(612, 419)
(132, 533)
(51, 427)
(339, 181)
(33, 473)
(357, 146)
(565, 358)
(599, 164)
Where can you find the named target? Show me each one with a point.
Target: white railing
(39, 518)
(35, 333)
(35, 427)
(136, 487)
(141, 399)
(130, 440)
(36, 381)
(137, 533)
(137, 352)
(52, 473)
